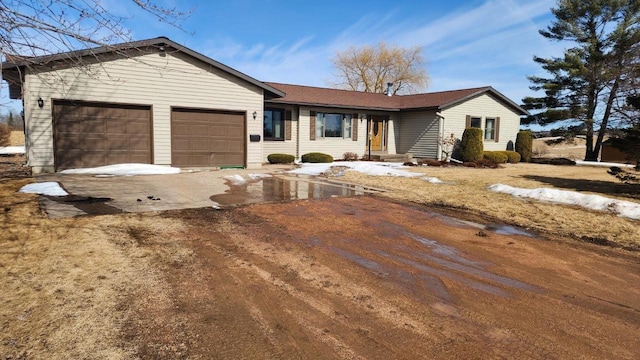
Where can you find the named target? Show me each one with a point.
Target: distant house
(156, 101)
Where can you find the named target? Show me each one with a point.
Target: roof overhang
(322, 105)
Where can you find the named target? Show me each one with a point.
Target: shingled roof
(325, 97)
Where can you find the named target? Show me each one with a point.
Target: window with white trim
(333, 125)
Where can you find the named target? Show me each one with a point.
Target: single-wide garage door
(88, 134)
(202, 138)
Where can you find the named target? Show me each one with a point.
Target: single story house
(155, 101)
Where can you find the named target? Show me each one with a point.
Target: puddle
(489, 289)
(87, 204)
(449, 252)
(272, 189)
(496, 228)
(509, 230)
(408, 281)
(366, 263)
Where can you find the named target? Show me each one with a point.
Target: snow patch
(10, 150)
(606, 164)
(365, 167)
(125, 170)
(236, 179)
(50, 188)
(433, 180)
(622, 208)
(258, 176)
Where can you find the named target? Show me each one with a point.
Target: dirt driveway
(366, 278)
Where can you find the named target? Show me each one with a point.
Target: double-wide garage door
(207, 138)
(88, 134)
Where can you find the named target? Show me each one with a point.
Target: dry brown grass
(69, 285)
(574, 149)
(16, 138)
(466, 190)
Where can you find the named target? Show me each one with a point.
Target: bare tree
(370, 68)
(31, 28)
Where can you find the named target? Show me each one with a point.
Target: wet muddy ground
(365, 278)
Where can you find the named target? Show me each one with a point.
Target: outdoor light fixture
(40, 103)
(162, 48)
(255, 115)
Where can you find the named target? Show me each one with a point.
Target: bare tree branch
(369, 69)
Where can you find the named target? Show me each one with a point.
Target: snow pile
(433, 180)
(235, 179)
(258, 176)
(365, 167)
(51, 188)
(125, 170)
(10, 150)
(239, 180)
(623, 208)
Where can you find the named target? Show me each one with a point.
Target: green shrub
(471, 146)
(316, 157)
(280, 158)
(495, 156)
(512, 156)
(524, 144)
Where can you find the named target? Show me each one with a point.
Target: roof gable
(159, 42)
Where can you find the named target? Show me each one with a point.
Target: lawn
(466, 192)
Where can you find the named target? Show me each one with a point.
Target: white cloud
(467, 48)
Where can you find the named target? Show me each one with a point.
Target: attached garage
(88, 134)
(203, 138)
(151, 101)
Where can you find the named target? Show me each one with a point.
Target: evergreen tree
(589, 81)
(11, 122)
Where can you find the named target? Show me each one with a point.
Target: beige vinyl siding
(418, 134)
(483, 106)
(173, 80)
(335, 147)
(283, 147)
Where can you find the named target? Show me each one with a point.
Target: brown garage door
(207, 138)
(96, 134)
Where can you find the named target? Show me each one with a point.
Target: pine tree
(11, 122)
(589, 81)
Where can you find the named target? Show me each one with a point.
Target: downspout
(298, 135)
(440, 134)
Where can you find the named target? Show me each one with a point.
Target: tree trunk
(589, 156)
(605, 118)
(592, 105)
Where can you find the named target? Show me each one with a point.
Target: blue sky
(466, 43)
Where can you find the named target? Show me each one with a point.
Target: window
(273, 124)
(333, 126)
(347, 127)
(476, 122)
(490, 129)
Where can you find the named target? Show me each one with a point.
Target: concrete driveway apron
(95, 194)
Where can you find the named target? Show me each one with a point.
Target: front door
(376, 134)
